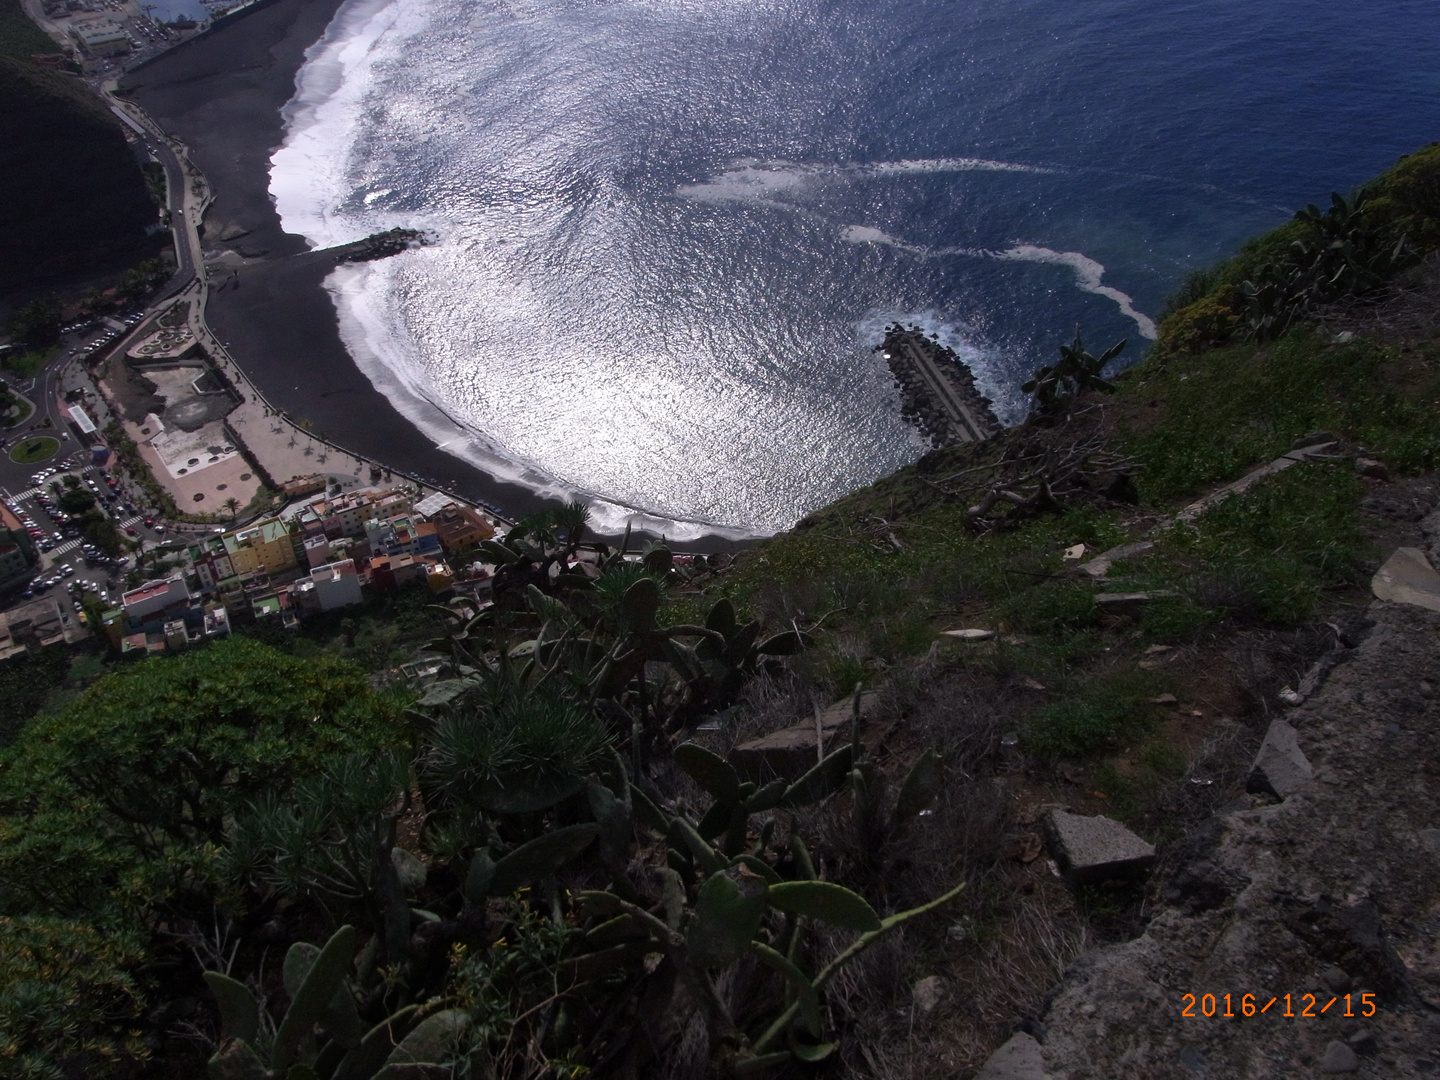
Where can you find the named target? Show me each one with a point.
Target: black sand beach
(221, 95)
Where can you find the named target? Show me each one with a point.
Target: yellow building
(266, 546)
(439, 577)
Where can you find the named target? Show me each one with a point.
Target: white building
(334, 585)
(155, 596)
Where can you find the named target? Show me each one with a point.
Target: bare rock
(1375, 470)
(1281, 767)
(1336, 979)
(1099, 566)
(1339, 1058)
(792, 751)
(928, 993)
(1018, 1059)
(1408, 578)
(1090, 849)
(1362, 1041)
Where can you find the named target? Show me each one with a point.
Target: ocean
(667, 234)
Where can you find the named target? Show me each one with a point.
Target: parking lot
(71, 566)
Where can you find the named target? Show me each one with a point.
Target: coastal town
(207, 507)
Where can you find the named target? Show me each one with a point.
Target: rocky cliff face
(1313, 920)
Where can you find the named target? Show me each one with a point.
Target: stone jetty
(941, 398)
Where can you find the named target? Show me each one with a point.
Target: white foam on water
(769, 181)
(752, 183)
(1088, 272)
(864, 234)
(911, 166)
(1088, 275)
(311, 169)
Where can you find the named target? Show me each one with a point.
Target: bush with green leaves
(1057, 385)
(122, 797)
(66, 993)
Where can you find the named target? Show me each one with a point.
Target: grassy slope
(19, 37)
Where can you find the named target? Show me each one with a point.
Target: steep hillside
(73, 201)
(785, 814)
(1140, 690)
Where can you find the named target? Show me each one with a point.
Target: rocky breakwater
(382, 245)
(940, 396)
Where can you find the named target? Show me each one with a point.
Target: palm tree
(232, 504)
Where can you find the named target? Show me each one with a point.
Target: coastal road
(189, 258)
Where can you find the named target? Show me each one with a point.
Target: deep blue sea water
(670, 231)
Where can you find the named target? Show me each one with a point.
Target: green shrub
(1406, 199)
(63, 987)
(118, 801)
(1051, 607)
(1104, 713)
(1204, 324)
(1268, 552)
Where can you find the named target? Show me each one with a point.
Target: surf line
(1088, 272)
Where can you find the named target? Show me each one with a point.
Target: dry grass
(992, 973)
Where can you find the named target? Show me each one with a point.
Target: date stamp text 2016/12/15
(1297, 1006)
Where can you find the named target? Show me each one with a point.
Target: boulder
(1408, 578)
(1018, 1059)
(1280, 767)
(1099, 566)
(1091, 849)
(792, 751)
(1339, 1058)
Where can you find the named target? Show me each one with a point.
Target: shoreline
(221, 95)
